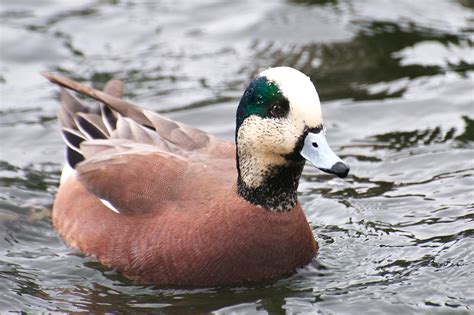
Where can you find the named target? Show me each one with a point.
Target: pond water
(396, 80)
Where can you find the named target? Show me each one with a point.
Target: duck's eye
(274, 109)
(277, 111)
(279, 108)
(315, 145)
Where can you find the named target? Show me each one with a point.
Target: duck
(167, 204)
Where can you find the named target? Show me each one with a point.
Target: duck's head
(279, 126)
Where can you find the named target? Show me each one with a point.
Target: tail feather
(114, 88)
(80, 122)
(109, 118)
(70, 106)
(121, 123)
(73, 140)
(91, 125)
(122, 107)
(181, 135)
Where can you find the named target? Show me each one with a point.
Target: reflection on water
(345, 70)
(400, 140)
(396, 82)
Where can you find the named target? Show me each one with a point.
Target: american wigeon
(164, 203)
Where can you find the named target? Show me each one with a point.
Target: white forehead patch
(300, 92)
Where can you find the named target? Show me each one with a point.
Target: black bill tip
(339, 169)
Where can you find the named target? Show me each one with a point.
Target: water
(396, 79)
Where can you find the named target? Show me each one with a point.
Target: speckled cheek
(287, 134)
(277, 136)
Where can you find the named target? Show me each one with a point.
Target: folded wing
(129, 157)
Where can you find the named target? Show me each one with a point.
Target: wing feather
(181, 135)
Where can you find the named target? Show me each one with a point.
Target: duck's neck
(269, 182)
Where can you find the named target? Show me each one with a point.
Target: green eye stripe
(259, 97)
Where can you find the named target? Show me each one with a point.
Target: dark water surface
(396, 79)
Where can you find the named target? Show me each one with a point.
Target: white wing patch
(109, 205)
(67, 172)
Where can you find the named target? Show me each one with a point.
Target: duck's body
(164, 203)
(187, 243)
